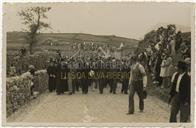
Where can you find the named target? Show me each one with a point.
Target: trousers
(177, 106)
(137, 86)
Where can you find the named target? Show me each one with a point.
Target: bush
(39, 60)
(18, 89)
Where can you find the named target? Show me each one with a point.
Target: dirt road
(92, 108)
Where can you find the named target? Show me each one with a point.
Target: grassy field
(63, 41)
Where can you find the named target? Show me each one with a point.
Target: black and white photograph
(98, 64)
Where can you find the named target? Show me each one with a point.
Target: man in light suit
(180, 93)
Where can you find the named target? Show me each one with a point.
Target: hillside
(63, 41)
(186, 37)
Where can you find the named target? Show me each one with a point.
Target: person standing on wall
(137, 83)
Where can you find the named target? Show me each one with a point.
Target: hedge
(39, 60)
(18, 89)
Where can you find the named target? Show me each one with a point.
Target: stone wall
(18, 89)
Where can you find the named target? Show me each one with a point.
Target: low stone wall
(18, 89)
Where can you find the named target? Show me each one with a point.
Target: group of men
(73, 74)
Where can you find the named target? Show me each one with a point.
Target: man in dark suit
(125, 81)
(59, 87)
(101, 80)
(85, 78)
(180, 93)
(64, 76)
(51, 73)
(113, 81)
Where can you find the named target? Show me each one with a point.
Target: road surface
(91, 108)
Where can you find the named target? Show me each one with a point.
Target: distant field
(63, 41)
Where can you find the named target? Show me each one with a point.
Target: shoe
(141, 111)
(129, 113)
(58, 93)
(126, 93)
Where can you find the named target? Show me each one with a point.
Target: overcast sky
(132, 20)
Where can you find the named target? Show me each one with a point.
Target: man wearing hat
(51, 73)
(180, 93)
(137, 83)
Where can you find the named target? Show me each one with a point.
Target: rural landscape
(40, 89)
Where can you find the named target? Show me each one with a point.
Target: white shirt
(172, 80)
(178, 81)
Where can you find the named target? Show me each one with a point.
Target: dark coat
(184, 88)
(52, 74)
(59, 88)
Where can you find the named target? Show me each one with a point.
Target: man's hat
(182, 65)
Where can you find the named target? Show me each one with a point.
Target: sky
(131, 20)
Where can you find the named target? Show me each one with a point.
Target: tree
(154, 36)
(33, 19)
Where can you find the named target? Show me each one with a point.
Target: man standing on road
(59, 87)
(180, 93)
(125, 80)
(137, 83)
(51, 73)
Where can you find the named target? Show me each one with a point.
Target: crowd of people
(80, 72)
(161, 56)
(168, 61)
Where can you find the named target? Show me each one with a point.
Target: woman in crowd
(163, 73)
(170, 70)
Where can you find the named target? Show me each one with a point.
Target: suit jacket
(184, 88)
